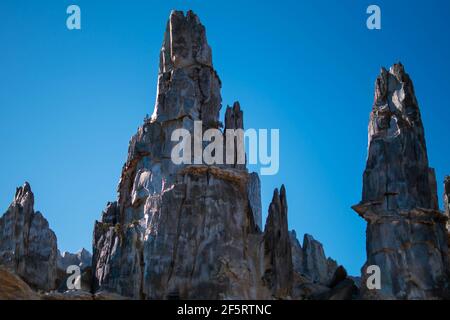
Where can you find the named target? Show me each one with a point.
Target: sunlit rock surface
(192, 231)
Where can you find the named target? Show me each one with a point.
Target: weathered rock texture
(190, 231)
(27, 244)
(406, 234)
(310, 261)
(182, 231)
(278, 275)
(82, 259)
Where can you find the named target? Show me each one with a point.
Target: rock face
(27, 244)
(192, 231)
(310, 261)
(185, 231)
(406, 234)
(82, 258)
(278, 275)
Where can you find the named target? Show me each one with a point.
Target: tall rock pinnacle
(406, 234)
(190, 231)
(27, 244)
(181, 231)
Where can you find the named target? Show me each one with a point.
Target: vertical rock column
(278, 275)
(187, 231)
(27, 244)
(406, 234)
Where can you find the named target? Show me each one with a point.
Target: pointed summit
(188, 86)
(397, 173)
(399, 200)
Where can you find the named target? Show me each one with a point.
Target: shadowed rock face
(406, 234)
(278, 275)
(190, 231)
(27, 244)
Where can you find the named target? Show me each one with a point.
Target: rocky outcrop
(315, 276)
(180, 230)
(310, 260)
(27, 244)
(14, 288)
(406, 234)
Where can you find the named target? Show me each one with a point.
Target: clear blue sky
(71, 100)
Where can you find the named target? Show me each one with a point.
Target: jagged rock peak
(310, 261)
(27, 244)
(397, 171)
(24, 196)
(399, 200)
(185, 43)
(278, 275)
(188, 86)
(234, 117)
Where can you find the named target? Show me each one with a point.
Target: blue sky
(71, 100)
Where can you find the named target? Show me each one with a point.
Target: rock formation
(180, 231)
(82, 258)
(447, 196)
(190, 231)
(310, 261)
(27, 244)
(278, 275)
(406, 234)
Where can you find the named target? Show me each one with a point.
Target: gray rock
(191, 231)
(406, 234)
(181, 231)
(310, 260)
(27, 244)
(278, 275)
(254, 197)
